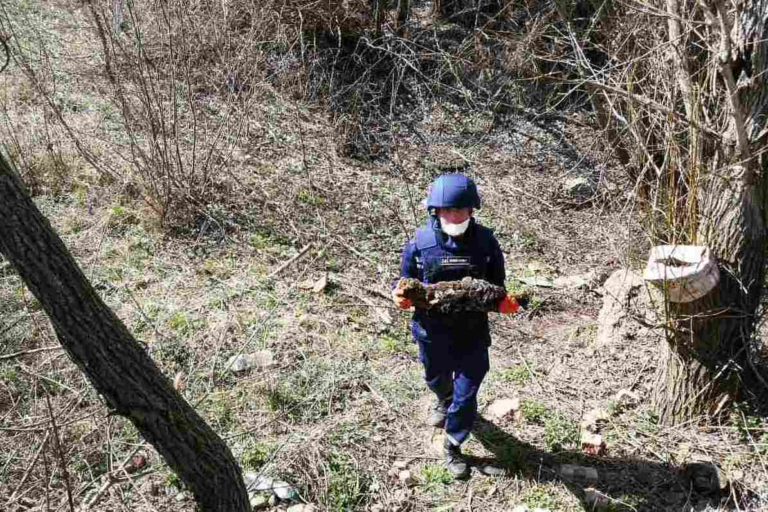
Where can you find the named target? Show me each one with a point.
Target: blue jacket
(431, 257)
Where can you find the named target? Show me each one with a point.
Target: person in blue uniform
(453, 348)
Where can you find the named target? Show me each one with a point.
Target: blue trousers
(455, 372)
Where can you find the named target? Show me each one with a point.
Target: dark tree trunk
(114, 362)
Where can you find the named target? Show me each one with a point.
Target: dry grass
(344, 400)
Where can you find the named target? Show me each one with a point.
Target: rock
(596, 500)
(524, 508)
(285, 491)
(491, 470)
(257, 483)
(594, 420)
(320, 284)
(400, 464)
(706, 478)
(301, 507)
(259, 501)
(627, 311)
(579, 188)
(502, 408)
(592, 444)
(625, 399)
(180, 381)
(401, 495)
(180, 496)
(580, 474)
(406, 478)
(587, 280)
(244, 362)
(273, 500)
(538, 281)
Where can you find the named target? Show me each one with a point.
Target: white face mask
(454, 229)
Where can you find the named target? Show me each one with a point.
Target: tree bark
(114, 362)
(709, 342)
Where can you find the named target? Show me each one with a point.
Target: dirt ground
(339, 411)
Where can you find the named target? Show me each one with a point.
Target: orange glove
(400, 301)
(509, 306)
(404, 303)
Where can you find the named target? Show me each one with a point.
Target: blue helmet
(453, 191)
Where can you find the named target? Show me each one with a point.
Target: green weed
(524, 240)
(183, 324)
(518, 374)
(435, 477)
(648, 424)
(348, 434)
(534, 411)
(120, 216)
(316, 389)
(256, 455)
(560, 432)
(311, 198)
(172, 354)
(348, 488)
(394, 346)
(541, 497)
(220, 411)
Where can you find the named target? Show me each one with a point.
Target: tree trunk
(114, 362)
(709, 341)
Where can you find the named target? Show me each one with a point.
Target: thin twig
(290, 261)
(28, 471)
(60, 453)
(14, 355)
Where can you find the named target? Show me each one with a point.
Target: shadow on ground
(622, 484)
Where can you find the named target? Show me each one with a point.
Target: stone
(579, 188)
(706, 477)
(596, 500)
(257, 483)
(595, 420)
(491, 470)
(536, 281)
(284, 490)
(259, 501)
(244, 362)
(592, 444)
(587, 280)
(180, 381)
(577, 473)
(320, 285)
(625, 399)
(301, 507)
(502, 408)
(406, 478)
(400, 464)
(627, 311)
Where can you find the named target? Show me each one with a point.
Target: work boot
(438, 412)
(454, 461)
